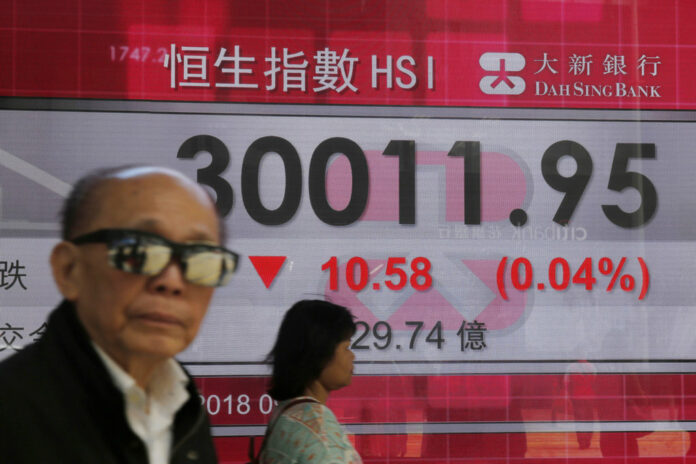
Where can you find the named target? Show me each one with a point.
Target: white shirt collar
(169, 375)
(150, 414)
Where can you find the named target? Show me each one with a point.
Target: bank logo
(501, 83)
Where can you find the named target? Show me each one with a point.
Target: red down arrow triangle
(267, 267)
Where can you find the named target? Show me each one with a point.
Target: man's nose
(170, 281)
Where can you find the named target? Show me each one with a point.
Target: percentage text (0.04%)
(561, 276)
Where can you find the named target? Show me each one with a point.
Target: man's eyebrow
(201, 237)
(148, 225)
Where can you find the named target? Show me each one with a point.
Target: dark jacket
(58, 404)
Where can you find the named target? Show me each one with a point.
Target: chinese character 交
(9, 335)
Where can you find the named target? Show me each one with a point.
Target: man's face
(135, 316)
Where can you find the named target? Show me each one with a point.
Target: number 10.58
(357, 273)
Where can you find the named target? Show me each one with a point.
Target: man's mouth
(159, 318)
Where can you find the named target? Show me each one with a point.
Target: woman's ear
(65, 267)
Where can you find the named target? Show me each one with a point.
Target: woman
(311, 358)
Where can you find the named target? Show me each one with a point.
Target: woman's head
(308, 339)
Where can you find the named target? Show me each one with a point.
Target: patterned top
(308, 433)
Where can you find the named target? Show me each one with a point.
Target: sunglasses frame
(179, 250)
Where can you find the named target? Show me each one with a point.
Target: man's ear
(65, 267)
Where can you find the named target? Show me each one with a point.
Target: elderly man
(137, 266)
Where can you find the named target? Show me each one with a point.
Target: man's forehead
(148, 180)
(135, 172)
(146, 197)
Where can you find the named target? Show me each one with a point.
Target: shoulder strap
(269, 429)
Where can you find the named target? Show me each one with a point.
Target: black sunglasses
(145, 253)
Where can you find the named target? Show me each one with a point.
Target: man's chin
(158, 346)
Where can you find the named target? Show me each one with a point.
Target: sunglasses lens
(156, 258)
(149, 255)
(139, 256)
(208, 267)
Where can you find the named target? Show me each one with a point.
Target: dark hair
(307, 340)
(80, 206)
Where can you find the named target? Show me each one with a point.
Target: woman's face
(339, 371)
